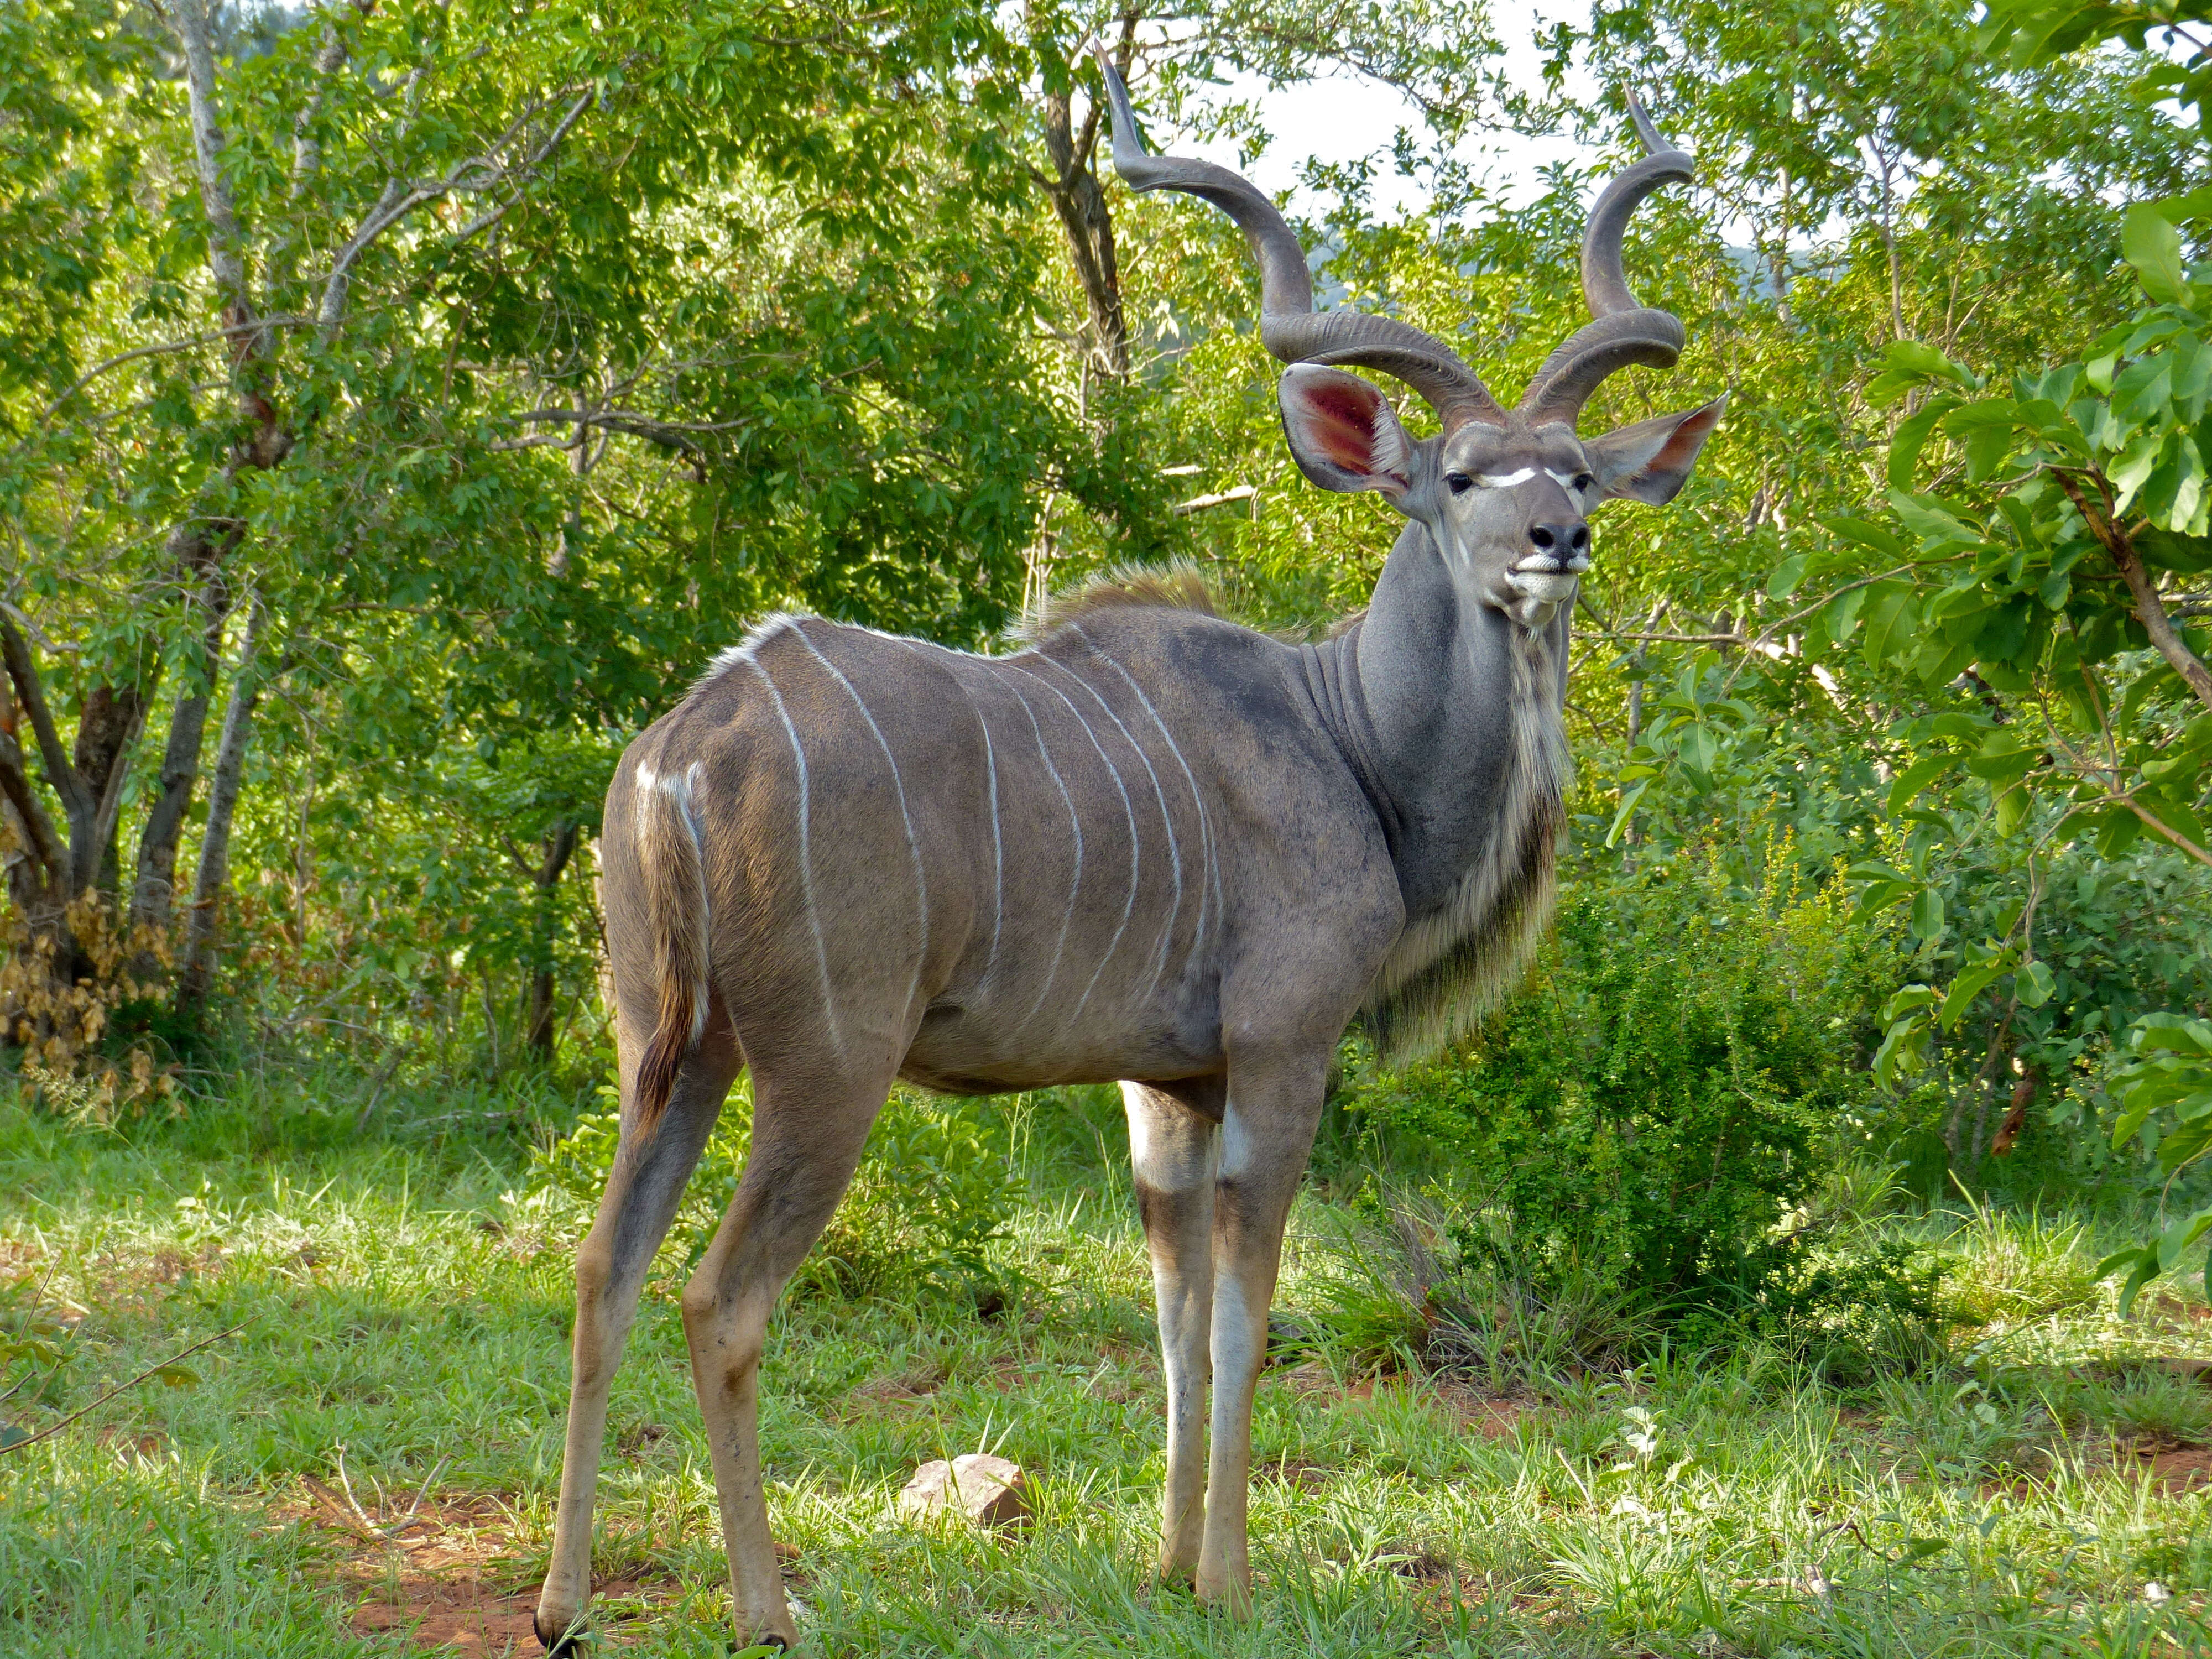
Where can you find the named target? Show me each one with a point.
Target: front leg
(1175, 1152)
(1266, 1134)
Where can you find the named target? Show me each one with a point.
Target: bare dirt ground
(449, 1574)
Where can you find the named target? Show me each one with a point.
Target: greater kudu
(1153, 846)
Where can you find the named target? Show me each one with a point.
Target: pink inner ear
(1682, 445)
(1339, 419)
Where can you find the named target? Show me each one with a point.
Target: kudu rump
(1154, 845)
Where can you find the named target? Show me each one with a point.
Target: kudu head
(1505, 493)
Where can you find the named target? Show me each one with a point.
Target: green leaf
(1930, 519)
(1984, 430)
(1869, 536)
(1878, 898)
(2192, 204)
(2120, 829)
(2119, 1258)
(1786, 576)
(1970, 984)
(2173, 815)
(1908, 363)
(1628, 800)
(2035, 985)
(1916, 778)
(2179, 1033)
(1843, 614)
(1883, 612)
(2130, 1121)
(2146, 1270)
(175, 1377)
(12, 1436)
(2185, 1144)
(2163, 550)
(2149, 242)
(1908, 998)
(1927, 914)
(2005, 767)
(1912, 438)
(1900, 1046)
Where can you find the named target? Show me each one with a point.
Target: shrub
(1670, 1083)
(932, 1197)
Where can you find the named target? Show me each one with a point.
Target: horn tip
(1654, 143)
(1128, 144)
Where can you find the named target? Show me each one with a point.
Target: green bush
(932, 1196)
(1666, 1088)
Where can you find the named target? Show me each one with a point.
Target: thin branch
(61, 775)
(52, 1429)
(485, 221)
(2166, 829)
(399, 200)
(2150, 609)
(1199, 503)
(620, 419)
(167, 347)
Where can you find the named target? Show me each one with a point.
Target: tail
(670, 860)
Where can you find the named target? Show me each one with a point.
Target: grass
(2041, 1488)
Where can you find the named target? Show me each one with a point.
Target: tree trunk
(154, 891)
(1080, 201)
(559, 845)
(107, 731)
(195, 967)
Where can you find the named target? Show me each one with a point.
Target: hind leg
(640, 1201)
(811, 1121)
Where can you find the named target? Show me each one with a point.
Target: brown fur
(1179, 586)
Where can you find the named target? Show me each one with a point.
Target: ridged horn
(1624, 331)
(1289, 327)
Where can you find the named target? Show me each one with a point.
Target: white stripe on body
(898, 785)
(1175, 850)
(1129, 904)
(806, 854)
(962, 658)
(997, 848)
(1211, 875)
(1075, 824)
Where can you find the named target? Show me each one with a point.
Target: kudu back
(1153, 846)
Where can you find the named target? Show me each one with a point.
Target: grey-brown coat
(1151, 845)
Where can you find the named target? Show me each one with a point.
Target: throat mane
(1454, 962)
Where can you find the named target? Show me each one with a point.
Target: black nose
(1553, 538)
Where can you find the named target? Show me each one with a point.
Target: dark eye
(1460, 482)
(1582, 482)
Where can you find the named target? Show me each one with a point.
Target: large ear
(1651, 461)
(1341, 431)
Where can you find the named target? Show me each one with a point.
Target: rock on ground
(986, 1491)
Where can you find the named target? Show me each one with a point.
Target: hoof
(766, 1644)
(562, 1644)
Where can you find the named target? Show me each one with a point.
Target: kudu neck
(1438, 702)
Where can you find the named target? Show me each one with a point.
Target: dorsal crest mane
(1179, 586)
